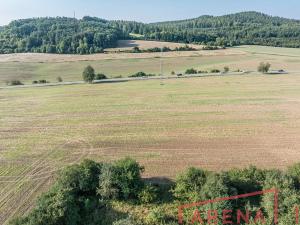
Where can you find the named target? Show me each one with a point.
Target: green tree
(59, 79)
(226, 69)
(264, 67)
(88, 74)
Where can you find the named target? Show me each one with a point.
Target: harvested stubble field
(129, 44)
(214, 123)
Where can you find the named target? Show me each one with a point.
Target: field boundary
(119, 80)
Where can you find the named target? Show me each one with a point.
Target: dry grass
(129, 44)
(215, 123)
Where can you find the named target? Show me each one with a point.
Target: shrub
(128, 178)
(148, 194)
(141, 74)
(210, 47)
(155, 216)
(88, 74)
(136, 50)
(202, 71)
(173, 73)
(215, 71)
(14, 83)
(247, 180)
(35, 82)
(108, 188)
(43, 81)
(189, 184)
(127, 221)
(288, 196)
(59, 79)
(216, 186)
(101, 76)
(264, 67)
(294, 171)
(191, 71)
(121, 180)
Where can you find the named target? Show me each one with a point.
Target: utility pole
(161, 66)
(161, 62)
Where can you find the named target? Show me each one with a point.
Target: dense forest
(92, 35)
(247, 28)
(115, 194)
(59, 35)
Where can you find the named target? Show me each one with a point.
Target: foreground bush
(86, 194)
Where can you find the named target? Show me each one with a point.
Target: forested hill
(59, 35)
(92, 35)
(230, 30)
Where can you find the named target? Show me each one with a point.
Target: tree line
(87, 194)
(91, 35)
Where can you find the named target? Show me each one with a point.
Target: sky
(142, 10)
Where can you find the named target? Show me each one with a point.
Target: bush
(101, 76)
(14, 83)
(59, 79)
(88, 74)
(210, 47)
(247, 180)
(155, 216)
(121, 180)
(173, 73)
(141, 74)
(202, 71)
(127, 221)
(35, 82)
(43, 81)
(189, 184)
(136, 50)
(128, 178)
(108, 185)
(215, 71)
(264, 67)
(191, 71)
(294, 172)
(288, 196)
(148, 194)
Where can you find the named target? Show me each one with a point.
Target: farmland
(30, 66)
(215, 123)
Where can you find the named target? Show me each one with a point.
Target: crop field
(215, 123)
(29, 67)
(129, 44)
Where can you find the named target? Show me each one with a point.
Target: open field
(29, 67)
(214, 123)
(129, 44)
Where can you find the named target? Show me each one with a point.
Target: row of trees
(83, 195)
